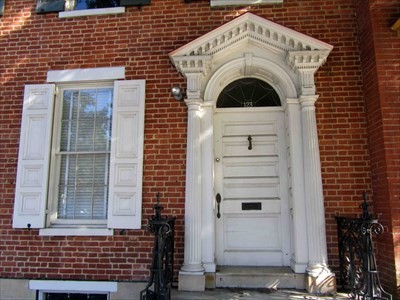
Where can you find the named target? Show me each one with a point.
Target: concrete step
(258, 277)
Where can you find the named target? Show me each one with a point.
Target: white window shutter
(126, 165)
(34, 157)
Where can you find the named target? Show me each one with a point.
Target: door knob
(217, 159)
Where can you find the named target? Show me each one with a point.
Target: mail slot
(251, 206)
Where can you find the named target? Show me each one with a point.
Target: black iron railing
(162, 268)
(358, 270)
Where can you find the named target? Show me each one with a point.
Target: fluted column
(320, 279)
(191, 276)
(193, 230)
(208, 202)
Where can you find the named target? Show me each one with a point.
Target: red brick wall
(140, 40)
(380, 53)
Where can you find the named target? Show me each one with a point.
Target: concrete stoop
(258, 278)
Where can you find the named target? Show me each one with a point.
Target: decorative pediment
(299, 47)
(251, 46)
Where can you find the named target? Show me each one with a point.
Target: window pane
(74, 296)
(86, 120)
(85, 153)
(87, 4)
(83, 188)
(248, 92)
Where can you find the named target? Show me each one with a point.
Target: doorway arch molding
(259, 68)
(251, 46)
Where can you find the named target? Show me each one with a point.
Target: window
(248, 92)
(72, 296)
(243, 2)
(81, 154)
(44, 6)
(89, 4)
(81, 158)
(2, 4)
(73, 290)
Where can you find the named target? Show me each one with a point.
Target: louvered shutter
(125, 193)
(44, 6)
(34, 157)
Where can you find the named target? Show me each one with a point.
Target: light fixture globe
(177, 93)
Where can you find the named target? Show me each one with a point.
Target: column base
(192, 281)
(320, 281)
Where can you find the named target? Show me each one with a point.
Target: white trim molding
(76, 231)
(92, 12)
(73, 286)
(90, 74)
(243, 2)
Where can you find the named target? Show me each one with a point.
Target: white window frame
(92, 12)
(126, 166)
(243, 2)
(70, 286)
(52, 219)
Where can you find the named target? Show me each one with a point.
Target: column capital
(194, 68)
(306, 60)
(187, 64)
(194, 104)
(193, 82)
(308, 101)
(306, 63)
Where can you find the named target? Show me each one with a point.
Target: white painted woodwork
(208, 203)
(34, 157)
(251, 46)
(243, 2)
(87, 74)
(297, 207)
(252, 237)
(193, 225)
(318, 257)
(124, 206)
(126, 165)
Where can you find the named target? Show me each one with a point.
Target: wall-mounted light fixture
(177, 93)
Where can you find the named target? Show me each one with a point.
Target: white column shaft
(208, 200)
(313, 186)
(192, 252)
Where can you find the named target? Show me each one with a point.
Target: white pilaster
(208, 201)
(299, 258)
(320, 279)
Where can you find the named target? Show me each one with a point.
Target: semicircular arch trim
(262, 69)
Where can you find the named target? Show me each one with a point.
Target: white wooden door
(251, 180)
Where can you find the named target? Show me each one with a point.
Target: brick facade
(379, 49)
(357, 117)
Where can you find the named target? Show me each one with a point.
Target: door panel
(251, 176)
(239, 146)
(238, 227)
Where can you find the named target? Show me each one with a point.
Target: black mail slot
(251, 206)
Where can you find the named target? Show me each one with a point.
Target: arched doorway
(252, 47)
